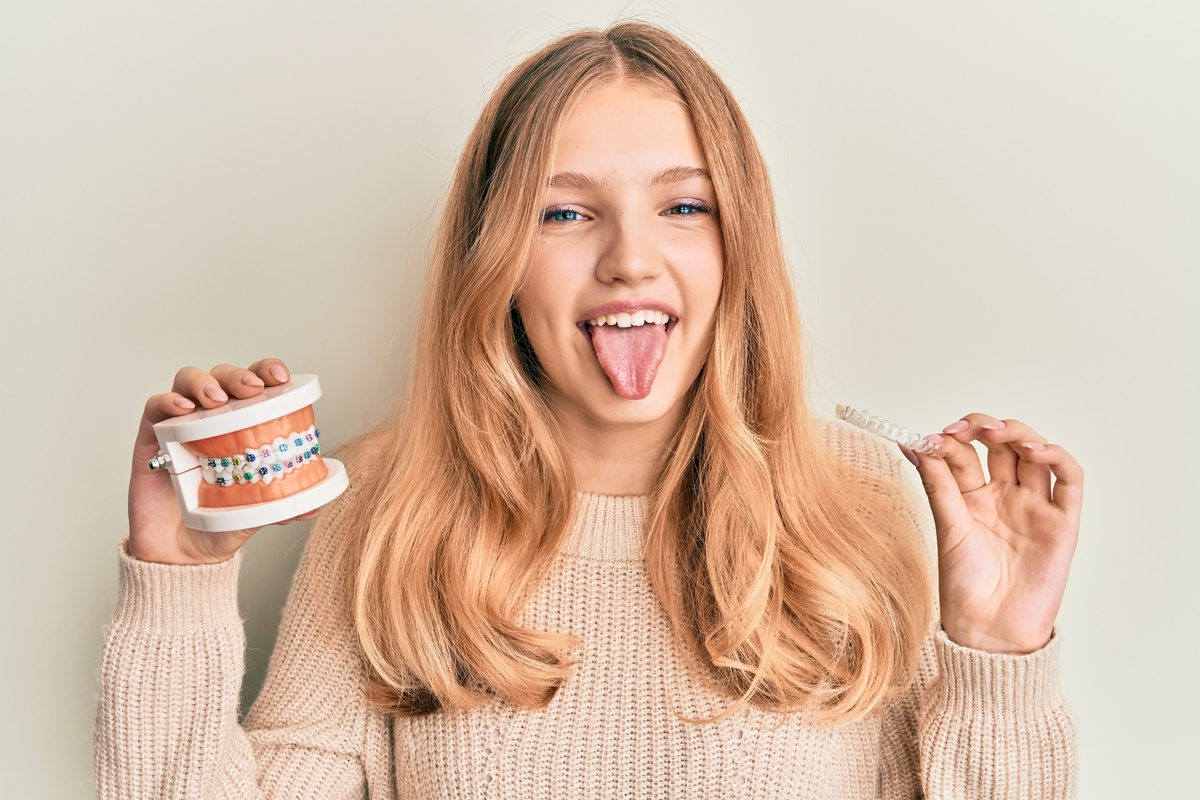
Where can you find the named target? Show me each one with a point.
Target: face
(629, 225)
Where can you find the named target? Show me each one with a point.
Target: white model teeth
(267, 463)
(634, 319)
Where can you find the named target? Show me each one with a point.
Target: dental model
(250, 462)
(913, 441)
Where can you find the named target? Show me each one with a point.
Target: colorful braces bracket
(267, 463)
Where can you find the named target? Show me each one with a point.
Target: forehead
(627, 130)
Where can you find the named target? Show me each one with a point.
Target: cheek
(557, 275)
(540, 317)
(541, 298)
(546, 284)
(702, 277)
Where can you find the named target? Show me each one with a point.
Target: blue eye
(562, 215)
(688, 209)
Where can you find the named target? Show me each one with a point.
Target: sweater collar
(608, 528)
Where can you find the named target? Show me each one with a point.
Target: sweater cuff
(172, 599)
(979, 685)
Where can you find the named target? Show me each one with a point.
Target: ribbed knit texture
(974, 724)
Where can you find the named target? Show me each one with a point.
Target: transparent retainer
(893, 433)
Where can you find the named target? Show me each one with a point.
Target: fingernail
(994, 425)
(911, 456)
(250, 379)
(957, 427)
(936, 438)
(279, 373)
(183, 402)
(215, 392)
(1033, 445)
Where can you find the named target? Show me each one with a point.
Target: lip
(627, 306)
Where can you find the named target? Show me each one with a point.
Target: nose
(631, 254)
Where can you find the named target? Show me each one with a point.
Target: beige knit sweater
(975, 725)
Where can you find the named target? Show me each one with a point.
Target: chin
(666, 399)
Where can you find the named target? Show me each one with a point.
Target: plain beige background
(988, 207)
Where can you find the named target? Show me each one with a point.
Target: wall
(988, 207)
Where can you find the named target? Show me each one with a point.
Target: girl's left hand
(1004, 545)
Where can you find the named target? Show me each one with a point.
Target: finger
(300, 518)
(1007, 443)
(950, 513)
(272, 371)
(200, 387)
(159, 407)
(1068, 476)
(961, 460)
(167, 405)
(237, 381)
(1001, 460)
(1032, 474)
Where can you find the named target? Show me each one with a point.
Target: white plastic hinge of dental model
(266, 463)
(913, 441)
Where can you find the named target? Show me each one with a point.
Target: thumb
(950, 512)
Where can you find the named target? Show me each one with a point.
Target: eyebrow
(677, 174)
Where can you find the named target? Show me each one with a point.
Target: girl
(605, 549)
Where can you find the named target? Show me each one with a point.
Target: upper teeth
(631, 320)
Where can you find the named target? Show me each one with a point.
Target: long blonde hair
(777, 562)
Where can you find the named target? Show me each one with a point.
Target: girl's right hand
(156, 529)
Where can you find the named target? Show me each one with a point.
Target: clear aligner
(913, 441)
(266, 463)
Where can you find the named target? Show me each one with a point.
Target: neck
(616, 458)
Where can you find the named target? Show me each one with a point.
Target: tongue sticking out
(630, 356)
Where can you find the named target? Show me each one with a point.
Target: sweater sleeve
(979, 725)
(994, 725)
(172, 667)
